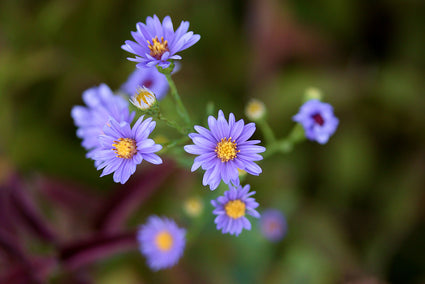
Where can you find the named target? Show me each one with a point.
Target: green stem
(287, 144)
(178, 142)
(267, 131)
(170, 123)
(181, 109)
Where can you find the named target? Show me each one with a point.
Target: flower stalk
(181, 109)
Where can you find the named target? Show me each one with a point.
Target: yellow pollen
(158, 47)
(235, 209)
(164, 241)
(144, 98)
(125, 148)
(226, 149)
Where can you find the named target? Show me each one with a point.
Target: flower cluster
(224, 149)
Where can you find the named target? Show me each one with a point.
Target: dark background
(354, 206)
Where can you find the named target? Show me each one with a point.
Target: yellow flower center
(235, 209)
(125, 148)
(144, 96)
(226, 149)
(164, 241)
(158, 47)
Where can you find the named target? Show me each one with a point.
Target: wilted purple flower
(123, 148)
(224, 149)
(318, 120)
(146, 77)
(101, 105)
(162, 242)
(232, 208)
(273, 225)
(157, 44)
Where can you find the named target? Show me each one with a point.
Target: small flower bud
(193, 206)
(313, 93)
(144, 99)
(255, 109)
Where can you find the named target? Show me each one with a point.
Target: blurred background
(354, 206)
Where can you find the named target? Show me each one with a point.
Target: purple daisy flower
(224, 149)
(162, 242)
(232, 208)
(318, 120)
(149, 78)
(101, 105)
(273, 225)
(123, 148)
(157, 44)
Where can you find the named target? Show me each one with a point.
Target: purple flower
(232, 208)
(149, 78)
(161, 242)
(224, 149)
(273, 225)
(157, 44)
(318, 120)
(101, 104)
(123, 148)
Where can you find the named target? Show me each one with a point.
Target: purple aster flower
(273, 225)
(157, 44)
(224, 149)
(101, 105)
(232, 208)
(123, 148)
(161, 242)
(149, 78)
(318, 120)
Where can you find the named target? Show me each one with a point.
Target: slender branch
(181, 109)
(287, 144)
(170, 123)
(267, 131)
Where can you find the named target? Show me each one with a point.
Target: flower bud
(144, 99)
(312, 93)
(255, 109)
(193, 206)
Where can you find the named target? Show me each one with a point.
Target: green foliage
(350, 204)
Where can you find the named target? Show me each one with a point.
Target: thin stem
(170, 123)
(175, 143)
(287, 144)
(181, 109)
(267, 131)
